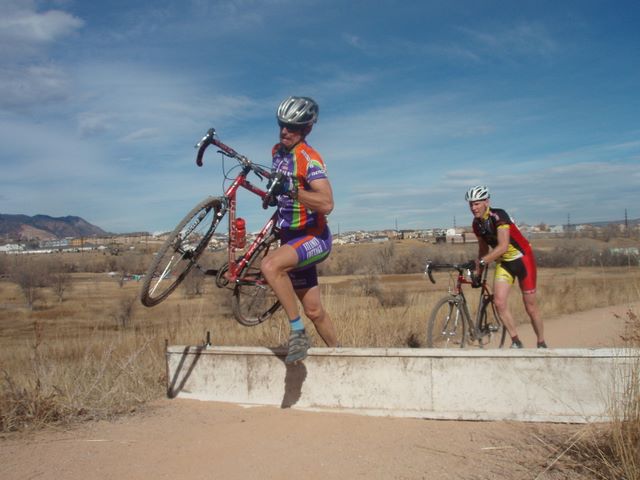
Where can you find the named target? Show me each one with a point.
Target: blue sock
(296, 324)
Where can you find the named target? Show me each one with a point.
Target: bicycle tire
(493, 322)
(180, 251)
(253, 301)
(447, 325)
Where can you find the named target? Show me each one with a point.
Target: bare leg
(275, 267)
(500, 298)
(531, 307)
(312, 304)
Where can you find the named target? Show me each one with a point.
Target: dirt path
(203, 440)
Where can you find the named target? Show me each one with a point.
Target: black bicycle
(451, 324)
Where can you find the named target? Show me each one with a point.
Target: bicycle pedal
(494, 328)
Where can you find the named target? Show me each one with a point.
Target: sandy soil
(204, 440)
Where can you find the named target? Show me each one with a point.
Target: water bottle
(241, 233)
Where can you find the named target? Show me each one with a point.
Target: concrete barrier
(555, 385)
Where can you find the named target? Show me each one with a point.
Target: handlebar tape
(203, 146)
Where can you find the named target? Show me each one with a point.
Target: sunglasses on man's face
(290, 127)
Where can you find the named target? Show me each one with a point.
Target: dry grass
(99, 352)
(612, 450)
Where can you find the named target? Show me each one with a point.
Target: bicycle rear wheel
(253, 301)
(447, 324)
(490, 324)
(180, 251)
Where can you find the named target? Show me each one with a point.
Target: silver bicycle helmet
(298, 111)
(479, 192)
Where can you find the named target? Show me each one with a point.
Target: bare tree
(59, 277)
(385, 257)
(123, 311)
(30, 277)
(61, 282)
(194, 283)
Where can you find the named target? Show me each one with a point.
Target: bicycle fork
(457, 317)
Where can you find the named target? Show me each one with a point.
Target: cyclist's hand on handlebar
(282, 185)
(279, 184)
(274, 188)
(470, 265)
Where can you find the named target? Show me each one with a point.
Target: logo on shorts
(313, 247)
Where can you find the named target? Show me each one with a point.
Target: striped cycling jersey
(303, 165)
(487, 229)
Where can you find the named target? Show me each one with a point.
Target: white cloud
(354, 41)
(521, 39)
(27, 81)
(24, 30)
(25, 87)
(92, 123)
(141, 134)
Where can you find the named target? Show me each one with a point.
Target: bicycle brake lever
(268, 199)
(470, 265)
(429, 272)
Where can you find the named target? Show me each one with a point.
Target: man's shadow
(294, 378)
(174, 385)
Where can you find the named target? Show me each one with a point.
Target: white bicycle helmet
(299, 111)
(479, 192)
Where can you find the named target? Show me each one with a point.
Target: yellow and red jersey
(487, 229)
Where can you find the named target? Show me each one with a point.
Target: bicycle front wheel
(253, 301)
(180, 251)
(447, 324)
(490, 325)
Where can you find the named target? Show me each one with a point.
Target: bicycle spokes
(452, 324)
(174, 260)
(180, 252)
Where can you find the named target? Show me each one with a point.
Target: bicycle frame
(252, 300)
(230, 195)
(235, 264)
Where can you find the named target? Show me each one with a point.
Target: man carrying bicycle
(500, 240)
(304, 199)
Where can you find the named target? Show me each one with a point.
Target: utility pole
(626, 221)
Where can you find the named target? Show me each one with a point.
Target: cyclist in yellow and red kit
(500, 240)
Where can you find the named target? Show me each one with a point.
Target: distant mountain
(44, 227)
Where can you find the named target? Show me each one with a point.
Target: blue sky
(102, 103)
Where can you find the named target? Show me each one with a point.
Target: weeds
(612, 450)
(99, 352)
(23, 407)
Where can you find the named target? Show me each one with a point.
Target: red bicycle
(253, 301)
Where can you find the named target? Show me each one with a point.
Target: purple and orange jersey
(303, 165)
